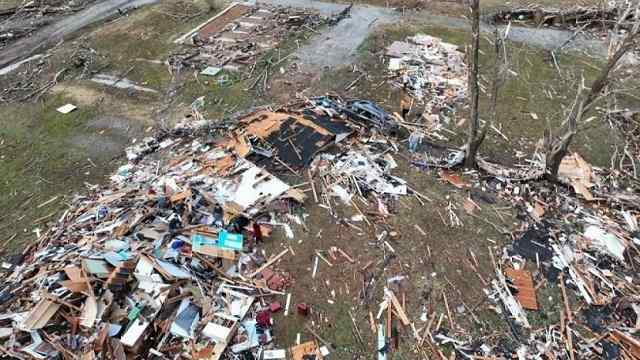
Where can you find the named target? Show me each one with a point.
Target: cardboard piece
(65, 109)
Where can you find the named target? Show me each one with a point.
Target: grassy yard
(43, 157)
(46, 155)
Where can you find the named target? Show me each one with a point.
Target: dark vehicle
(369, 113)
(364, 112)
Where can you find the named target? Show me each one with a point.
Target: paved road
(338, 45)
(52, 34)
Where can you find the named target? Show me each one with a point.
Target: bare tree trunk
(499, 70)
(559, 147)
(473, 138)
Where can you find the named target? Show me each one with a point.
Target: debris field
(182, 253)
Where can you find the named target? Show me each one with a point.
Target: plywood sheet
(523, 281)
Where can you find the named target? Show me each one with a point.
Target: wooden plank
(629, 341)
(269, 263)
(75, 286)
(401, 313)
(40, 314)
(89, 312)
(214, 251)
(177, 197)
(74, 273)
(298, 352)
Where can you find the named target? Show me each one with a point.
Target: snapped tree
(475, 135)
(557, 147)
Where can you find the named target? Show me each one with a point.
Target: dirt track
(54, 33)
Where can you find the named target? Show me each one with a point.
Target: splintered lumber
(269, 263)
(389, 320)
(324, 259)
(321, 339)
(346, 256)
(401, 313)
(40, 314)
(629, 341)
(449, 316)
(567, 308)
(48, 202)
(89, 312)
(306, 350)
(313, 187)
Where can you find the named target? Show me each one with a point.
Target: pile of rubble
(147, 265)
(168, 259)
(599, 18)
(22, 18)
(586, 248)
(432, 71)
(236, 36)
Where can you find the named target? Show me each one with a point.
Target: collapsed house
(166, 259)
(586, 246)
(235, 37)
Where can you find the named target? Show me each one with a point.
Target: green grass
(38, 162)
(550, 303)
(44, 153)
(145, 34)
(8, 4)
(223, 94)
(229, 92)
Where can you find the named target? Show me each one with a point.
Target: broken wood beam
(268, 263)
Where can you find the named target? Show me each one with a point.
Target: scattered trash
(120, 83)
(211, 71)
(65, 109)
(575, 171)
(598, 18)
